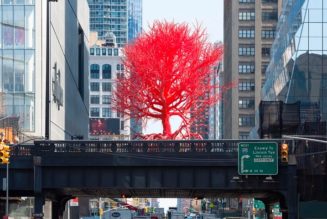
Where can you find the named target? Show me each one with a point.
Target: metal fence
(185, 146)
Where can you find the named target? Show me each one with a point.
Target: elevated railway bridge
(61, 170)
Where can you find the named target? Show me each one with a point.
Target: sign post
(257, 158)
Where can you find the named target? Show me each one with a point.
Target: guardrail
(183, 146)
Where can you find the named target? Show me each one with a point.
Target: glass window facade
(298, 70)
(123, 18)
(17, 61)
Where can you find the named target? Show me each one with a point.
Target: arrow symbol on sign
(242, 162)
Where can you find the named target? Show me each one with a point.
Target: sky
(208, 13)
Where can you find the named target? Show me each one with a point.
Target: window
(265, 51)
(110, 52)
(97, 50)
(246, 1)
(106, 86)
(246, 68)
(268, 33)
(269, 1)
(104, 51)
(264, 67)
(246, 15)
(122, 125)
(246, 120)
(244, 135)
(95, 86)
(92, 51)
(106, 71)
(246, 86)
(246, 50)
(115, 52)
(106, 112)
(246, 33)
(95, 112)
(95, 69)
(120, 75)
(246, 103)
(95, 99)
(270, 15)
(118, 67)
(106, 99)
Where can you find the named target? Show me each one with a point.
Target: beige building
(249, 31)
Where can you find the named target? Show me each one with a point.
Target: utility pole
(7, 192)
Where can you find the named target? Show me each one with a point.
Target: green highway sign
(257, 158)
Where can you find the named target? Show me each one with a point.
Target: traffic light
(4, 153)
(284, 153)
(100, 211)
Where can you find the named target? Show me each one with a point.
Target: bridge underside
(168, 193)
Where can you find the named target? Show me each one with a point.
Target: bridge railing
(185, 146)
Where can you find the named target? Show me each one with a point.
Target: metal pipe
(7, 190)
(302, 138)
(47, 76)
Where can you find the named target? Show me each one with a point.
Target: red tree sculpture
(167, 73)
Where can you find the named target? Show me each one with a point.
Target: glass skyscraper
(121, 17)
(17, 61)
(134, 18)
(298, 67)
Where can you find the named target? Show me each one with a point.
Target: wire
(62, 129)
(68, 64)
(308, 154)
(75, 14)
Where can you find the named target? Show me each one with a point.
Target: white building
(24, 67)
(105, 66)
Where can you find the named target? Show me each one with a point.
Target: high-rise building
(298, 68)
(249, 30)
(215, 111)
(105, 66)
(134, 18)
(24, 67)
(123, 18)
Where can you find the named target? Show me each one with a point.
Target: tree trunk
(166, 126)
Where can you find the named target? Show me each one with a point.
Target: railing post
(38, 206)
(292, 197)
